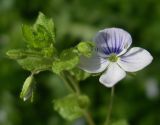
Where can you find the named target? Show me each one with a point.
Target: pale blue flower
(111, 57)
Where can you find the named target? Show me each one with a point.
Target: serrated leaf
(41, 37)
(35, 64)
(72, 106)
(68, 60)
(37, 38)
(47, 23)
(120, 122)
(28, 88)
(85, 48)
(79, 74)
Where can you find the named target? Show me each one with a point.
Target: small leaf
(72, 106)
(28, 89)
(16, 54)
(49, 52)
(35, 64)
(47, 23)
(68, 60)
(79, 74)
(42, 37)
(36, 38)
(21, 53)
(120, 122)
(85, 48)
(27, 33)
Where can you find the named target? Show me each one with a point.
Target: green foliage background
(78, 20)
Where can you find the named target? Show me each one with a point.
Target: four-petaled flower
(110, 56)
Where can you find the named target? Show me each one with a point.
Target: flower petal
(94, 64)
(112, 40)
(113, 75)
(135, 59)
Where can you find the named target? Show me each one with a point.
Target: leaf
(120, 122)
(16, 54)
(36, 38)
(79, 74)
(68, 60)
(41, 51)
(28, 88)
(41, 35)
(31, 60)
(49, 52)
(47, 23)
(85, 48)
(72, 106)
(22, 53)
(35, 64)
(28, 33)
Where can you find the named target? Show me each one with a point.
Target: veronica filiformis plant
(111, 57)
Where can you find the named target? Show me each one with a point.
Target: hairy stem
(107, 121)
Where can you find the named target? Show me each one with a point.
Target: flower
(111, 57)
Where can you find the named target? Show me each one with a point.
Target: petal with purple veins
(112, 40)
(135, 59)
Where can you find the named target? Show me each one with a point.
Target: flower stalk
(66, 83)
(107, 121)
(76, 89)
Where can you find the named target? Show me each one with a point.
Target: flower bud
(28, 88)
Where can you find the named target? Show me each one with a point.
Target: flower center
(113, 57)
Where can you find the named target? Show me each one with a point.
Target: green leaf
(120, 122)
(28, 33)
(79, 74)
(68, 60)
(28, 88)
(35, 64)
(21, 53)
(37, 38)
(16, 54)
(41, 35)
(47, 23)
(49, 52)
(72, 106)
(32, 60)
(85, 48)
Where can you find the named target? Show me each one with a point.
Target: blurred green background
(137, 99)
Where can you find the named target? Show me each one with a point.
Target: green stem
(89, 118)
(86, 114)
(66, 83)
(74, 83)
(76, 87)
(107, 122)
